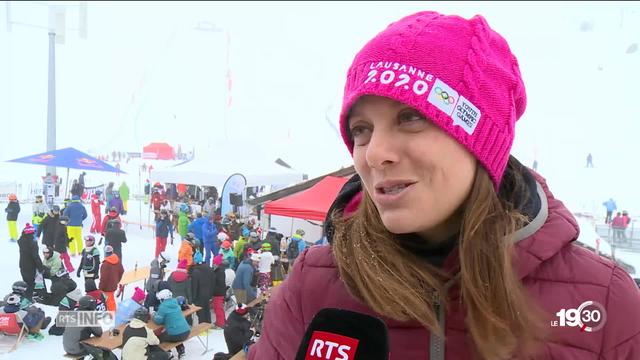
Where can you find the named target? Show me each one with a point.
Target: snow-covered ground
(139, 250)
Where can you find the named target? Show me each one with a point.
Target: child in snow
(111, 274)
(90, 261)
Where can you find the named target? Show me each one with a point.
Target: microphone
(336, 334)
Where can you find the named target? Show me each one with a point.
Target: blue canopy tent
(69, 158)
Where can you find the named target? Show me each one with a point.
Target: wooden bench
(196, 330)
(108, 342)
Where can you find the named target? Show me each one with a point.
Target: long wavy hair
(396, 283)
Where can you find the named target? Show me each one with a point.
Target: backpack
(33, 317)
(292, 249)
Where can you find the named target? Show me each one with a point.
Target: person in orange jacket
(186, 250)
(111, 273)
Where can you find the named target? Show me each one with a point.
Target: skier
(124, 194)
(49, 226)
(90, 262)
(77, 214)
(96, 211)
(111, 215)
(30, 262)
(115, 236)
(164, 228)
(40, 210)
(116, 202)
(12, 210)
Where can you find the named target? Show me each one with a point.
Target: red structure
(159, 151)
(311, 204)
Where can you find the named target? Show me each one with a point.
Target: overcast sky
(145, 73)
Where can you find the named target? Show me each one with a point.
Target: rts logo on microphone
(329, 346)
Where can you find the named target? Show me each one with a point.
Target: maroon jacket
(558, 274)
(110, 273)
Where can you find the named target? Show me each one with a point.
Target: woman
(418, 236)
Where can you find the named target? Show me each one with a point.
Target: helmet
(116, 193)
(196, 242)
(142, 314)
(253, 234)
(87, 303)
(19, 287)
(55, 208)
(300, 232)
(13, 299)
(184, 208)
(12, 197)
(266, 246)
(164, 294)
(226, 244)
(163, 212)
(89, 239)
(113, 209)
(108, 250)
(45, 248)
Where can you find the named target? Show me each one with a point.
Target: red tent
(311, 204)
(160, 151)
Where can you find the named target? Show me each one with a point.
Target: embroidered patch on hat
(443, 97)
(466, 115)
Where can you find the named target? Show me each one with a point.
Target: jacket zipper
(436, 343)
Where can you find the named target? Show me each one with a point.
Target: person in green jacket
(124, 195)
(52, 262)
(238, 250)
(170, 315)
(183, 221)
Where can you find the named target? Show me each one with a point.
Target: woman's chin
(400, 222)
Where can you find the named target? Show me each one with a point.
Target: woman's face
(416, 174)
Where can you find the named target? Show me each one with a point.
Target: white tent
(211, 169)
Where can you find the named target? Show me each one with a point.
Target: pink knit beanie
(459, 73)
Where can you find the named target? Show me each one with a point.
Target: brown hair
(395, 283)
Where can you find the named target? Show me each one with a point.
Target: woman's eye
(411, 118)
(360, 135)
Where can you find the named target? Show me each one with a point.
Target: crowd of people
(223, 264)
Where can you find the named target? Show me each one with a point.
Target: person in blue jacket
(611, 207)
(170, 315)
(196, 226)
(242, 286)
(210, 235)
(77, 213)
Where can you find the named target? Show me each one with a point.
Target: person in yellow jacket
(124, 195)
(40, 210)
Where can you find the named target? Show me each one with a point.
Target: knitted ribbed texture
(461, 65)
